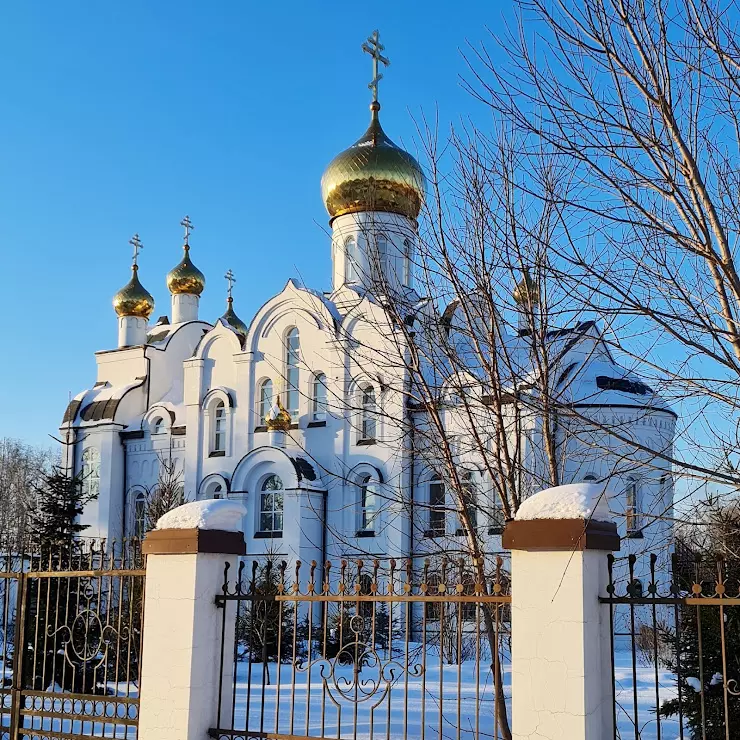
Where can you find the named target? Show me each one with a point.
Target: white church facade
(299, 413)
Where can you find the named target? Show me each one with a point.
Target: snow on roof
(218, 514)
(573, 501)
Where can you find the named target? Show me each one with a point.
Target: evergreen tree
(51, 603)
(719, 539)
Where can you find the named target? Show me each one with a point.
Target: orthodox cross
(230, 279)
(373, 47)
(135, 242)
(188, 226)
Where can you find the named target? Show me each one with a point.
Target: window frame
(319, 397)
(218, 437)
(408, 252)
(292, 360)
(368, 414)
(351, 261)
(276, 511)
(90, 484)
(368, 505)
(437, 509)
(264, 401)
(139, 523)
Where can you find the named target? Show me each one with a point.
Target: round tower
(374, 192)
(133, 304)
(185, 283)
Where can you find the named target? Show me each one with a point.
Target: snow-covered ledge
(561, 667)
(186, 557)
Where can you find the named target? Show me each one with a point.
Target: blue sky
(123, 117)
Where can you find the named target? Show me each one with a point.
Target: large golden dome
(186, 277)
(134, 299)
(373, 175)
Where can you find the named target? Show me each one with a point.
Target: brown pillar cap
(191, 541)
(560, 534)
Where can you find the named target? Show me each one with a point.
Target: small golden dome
(278, 418)
(134, 299)
(233, 320)
(373, 175)
(186, 277)
(526, 293)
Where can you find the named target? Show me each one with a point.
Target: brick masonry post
(181, 657)
(561, 663)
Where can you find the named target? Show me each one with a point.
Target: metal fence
(372, 650)
(675, 650)
(71, 620)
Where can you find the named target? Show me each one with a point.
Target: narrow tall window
(292, 358)
(351, 264)
(368, 420)
(219, 427)
(319, 397)
(91, 472)
(469, 497)
(437, 509)
(140, 515)
(368, 504)
(271, 505)
(381, 258)
(265, 400)
(408, 259)
(157, 426)
(631, 508)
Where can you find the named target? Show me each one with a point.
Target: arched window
(368, 504)
(292, 358)
(319, 397)
(91, 472)
(408, 259)
(351, 263)
(631, 508)
(437, 509)
(368, 414)
(214, 489)
(265, 400)
(157, 425)
(381, 258)
(590, 478)
(271, 505)
(219, 427)
(140, 515)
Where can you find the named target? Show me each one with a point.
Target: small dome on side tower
(134, 299)
(230, 316)
(185, 277)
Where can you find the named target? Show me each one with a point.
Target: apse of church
(284, 413)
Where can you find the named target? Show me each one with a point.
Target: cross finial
(230, 279)
(135, 242)
(373, 47)
(188, 226)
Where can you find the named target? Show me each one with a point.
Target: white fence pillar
(181, 656)
(561, 664)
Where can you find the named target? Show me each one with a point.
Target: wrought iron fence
(675, 649)
(371, 649)
(71, 620)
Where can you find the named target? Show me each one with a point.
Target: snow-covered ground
(412, 708)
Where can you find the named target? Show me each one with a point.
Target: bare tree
(639, 101)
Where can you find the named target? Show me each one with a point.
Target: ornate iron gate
(71, 624)
(371, 650)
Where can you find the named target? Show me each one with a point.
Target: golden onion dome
(278, 418)
(186, 277)
(526, 292)
(373, 175)
(233, 320)
(134, 299)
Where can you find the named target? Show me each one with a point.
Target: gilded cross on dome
(188, 226)
(135, 242)
(231, 280)
(373, 47)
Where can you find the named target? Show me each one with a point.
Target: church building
(299, 412)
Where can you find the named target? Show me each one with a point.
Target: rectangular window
(219, 432)
(271, 512)
(631, 512)
(368, 505)
(368, 425)
(319, 397)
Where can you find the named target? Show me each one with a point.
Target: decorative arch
(214, 485)
(219, 333)
(158, 412)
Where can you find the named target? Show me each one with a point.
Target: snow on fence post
(561, 663)
(186, 557)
